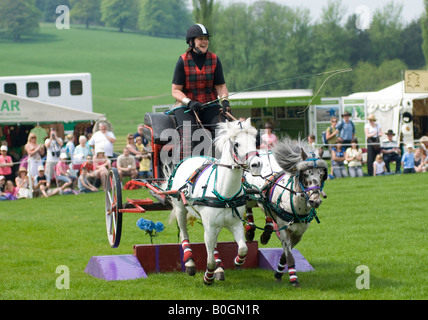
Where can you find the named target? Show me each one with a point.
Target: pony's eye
(236, 144)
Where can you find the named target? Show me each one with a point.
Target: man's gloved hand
(195, 105)
(226, 106)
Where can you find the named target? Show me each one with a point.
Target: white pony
(212, 190)
(290, 189)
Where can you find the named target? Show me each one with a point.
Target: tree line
(261, 42)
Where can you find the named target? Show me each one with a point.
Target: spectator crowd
(55, 167)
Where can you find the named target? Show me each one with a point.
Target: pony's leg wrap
(281, 268)
(265, 237)
(239, 260)
(219, 267)
(209, 276)
(293, 277)
(188, 258)
(187, 251)
(250, 228)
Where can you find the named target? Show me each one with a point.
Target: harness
(266, 194)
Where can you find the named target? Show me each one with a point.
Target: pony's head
(299, 158)
(239, 139)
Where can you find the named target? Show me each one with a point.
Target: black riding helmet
(197, 30)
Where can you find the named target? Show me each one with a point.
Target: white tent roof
(387, 98)
(14, 109)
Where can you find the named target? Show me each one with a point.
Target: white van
(73, 90)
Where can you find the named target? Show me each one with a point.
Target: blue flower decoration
(146, 225)
(159, 227)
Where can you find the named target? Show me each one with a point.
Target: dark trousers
(371, 156)
(187, 124)
(391, 157)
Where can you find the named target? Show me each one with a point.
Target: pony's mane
(228, 130)
(287, 153)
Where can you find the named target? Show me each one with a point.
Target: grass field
(377, 222)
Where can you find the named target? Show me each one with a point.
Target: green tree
(386, 33)
(18, 18)
(120, 13)
(164, 17)
(424, 24)
(202, 12)
(86, 11)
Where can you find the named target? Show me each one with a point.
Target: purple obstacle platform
(119, 267)
(269, 258)
(128, 267)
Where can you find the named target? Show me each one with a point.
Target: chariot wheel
(113, 207)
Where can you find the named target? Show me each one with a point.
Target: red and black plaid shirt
(199, 85)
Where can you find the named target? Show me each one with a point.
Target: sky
(411, 8)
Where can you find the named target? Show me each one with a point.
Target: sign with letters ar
(416, 81)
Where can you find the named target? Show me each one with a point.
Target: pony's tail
(167, 172)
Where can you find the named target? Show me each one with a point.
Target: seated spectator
(42, 184)
(379, 167)
(6, 163)
(83, 182)
(391, 152)
(80, 153)
(62, 173)
(145, 166)
(2, 185)
(101, 166)
(354, 155)
(132, 147)
(10, 192)
(88, 164)
(408, 160)
(126, 165)
(338, 160)
(311, 140)
(419, 160)
(140, 133)
(22, 182)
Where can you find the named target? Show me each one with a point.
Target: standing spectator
(337, 160)
(83, 182)
(139, 133)
(354, 155)
(269, 139)
(53, 146)
(6, 163)
(331, 134)
(126, 165)
(34, 152)
(408, 160)
(104, 139)
(346, 129)
(69, 146)
(81, 152)
(391, 152)
(43, 184)
(101, 165)
(373, 133)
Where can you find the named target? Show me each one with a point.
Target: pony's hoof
(191, 271)
(238, 267)
(295, 284)
(219, 274)
(265, 237)
(249, 234)
(208, 283)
